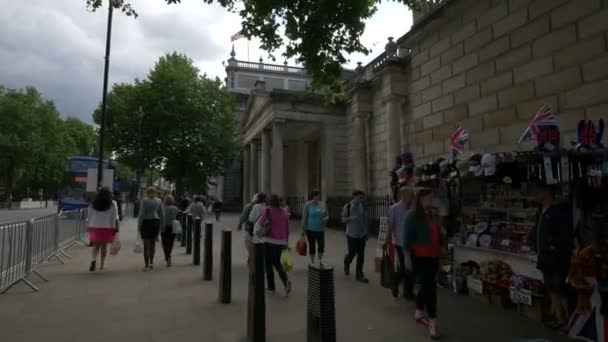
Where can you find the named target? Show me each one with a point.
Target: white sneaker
(433, 330)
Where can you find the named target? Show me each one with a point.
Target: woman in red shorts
(102, 224)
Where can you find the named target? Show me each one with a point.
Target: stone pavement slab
(122, 303)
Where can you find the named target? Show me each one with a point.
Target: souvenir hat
(488, 164)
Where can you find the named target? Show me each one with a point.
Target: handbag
(387, 271)
(139, 248)
(176, 227)
(301, 246)
(286, 260)
(265, 228)
(115, 247)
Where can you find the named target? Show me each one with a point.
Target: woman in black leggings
(313, 225)
(422, 242)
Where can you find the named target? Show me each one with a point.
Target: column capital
(362, 116)
(394, 97)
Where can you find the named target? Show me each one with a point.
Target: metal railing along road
(25, 245)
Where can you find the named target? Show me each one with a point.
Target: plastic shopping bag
(301, 247)
(176, 226)
(139, 248)
(287, 260)
(115, 247)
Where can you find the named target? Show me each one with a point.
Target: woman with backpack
(273, 227)
(314, 217)
(102, 224)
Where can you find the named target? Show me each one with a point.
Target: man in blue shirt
(353, 214)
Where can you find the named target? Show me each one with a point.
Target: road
(23, 214)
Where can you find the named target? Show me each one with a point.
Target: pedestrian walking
(396, 225)
(198, 209)
(314, 218)
(244, 219)
(553, 240)
(254, 215)
(118, 199)
(275, 221)
(423, 240)
(285, 207)
(168, 235)
(151, 217)
(353, 214)
(217, 209)
(102, 224)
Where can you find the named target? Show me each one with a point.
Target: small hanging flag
(236, 36)
(544, 129)
(588, 136)
(459, 138)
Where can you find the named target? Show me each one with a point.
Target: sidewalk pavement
(122, 303)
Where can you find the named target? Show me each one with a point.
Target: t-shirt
(396, 222)
(433, 249)
(356, 228)
(315, 218)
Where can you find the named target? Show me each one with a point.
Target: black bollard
(226, 267)
(184, 218)
(196, 256)
(256, 306)
(321, 312)
(189, 224)
(208, 253)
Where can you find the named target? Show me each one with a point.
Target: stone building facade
(488, 65)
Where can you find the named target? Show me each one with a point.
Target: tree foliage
(175, 121)
(35, 141)
(318, 32)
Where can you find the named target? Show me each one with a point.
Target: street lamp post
(102, 126)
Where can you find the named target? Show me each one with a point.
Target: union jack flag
(544, 119)
(459, 138)
(236, 36)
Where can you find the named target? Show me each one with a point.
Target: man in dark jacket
(553, 241)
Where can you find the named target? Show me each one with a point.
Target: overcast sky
(58, 47)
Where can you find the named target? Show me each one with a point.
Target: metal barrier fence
(25, 245)
(296, 206)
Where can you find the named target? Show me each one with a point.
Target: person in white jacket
(102, 225)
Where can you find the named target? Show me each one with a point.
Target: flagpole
(247, 50)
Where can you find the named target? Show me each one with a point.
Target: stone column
(302, 169)
(328, 161)
(246, 169)
(393, 124)
(265, 161)
(253, 168)
(359, 167)
(277, 185)
(219, 188)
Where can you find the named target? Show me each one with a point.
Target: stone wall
(491, 64)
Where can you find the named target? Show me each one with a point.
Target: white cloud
(58, 47)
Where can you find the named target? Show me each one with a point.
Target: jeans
(168, 238)
(273, 260)
(426, 270)
(403, 275)
(356, 246)
(314, 239)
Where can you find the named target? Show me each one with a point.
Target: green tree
(318, 33)
(185, 122)
(80, 137)
(33, 141)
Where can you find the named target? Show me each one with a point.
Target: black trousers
(426, 270)
(315, 239)
(404, 276)
(168, 239)
(273, 261)
(218, 214)
(356, 246)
